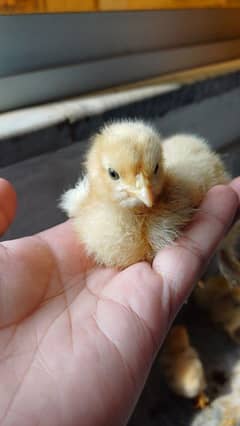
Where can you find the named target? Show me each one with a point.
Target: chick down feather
(139, 191)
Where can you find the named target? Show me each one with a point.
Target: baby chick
(223, 304)
(139, 191)
(181, 364)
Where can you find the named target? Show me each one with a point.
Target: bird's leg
(181, 364)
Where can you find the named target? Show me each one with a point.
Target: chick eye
(156, 169)
(113, 174)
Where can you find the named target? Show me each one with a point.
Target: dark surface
(217, 119)
(40, 181)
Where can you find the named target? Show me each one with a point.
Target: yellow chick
(222, 303)
(181, 364)
(139, 191)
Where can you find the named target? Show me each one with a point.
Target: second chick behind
(139, 191)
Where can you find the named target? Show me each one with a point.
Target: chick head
(125, 163)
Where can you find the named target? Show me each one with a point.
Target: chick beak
(145, 195)
(143, 190)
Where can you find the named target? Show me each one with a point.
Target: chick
(181, 364)
(222, 303)
(228, 256)
(139, 191)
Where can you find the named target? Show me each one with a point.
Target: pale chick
(139, 191)
(181, 363)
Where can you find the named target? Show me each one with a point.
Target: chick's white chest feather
(113, 235)
(73, 198)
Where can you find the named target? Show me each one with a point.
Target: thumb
(8, 205)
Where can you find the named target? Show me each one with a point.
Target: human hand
(77, 341)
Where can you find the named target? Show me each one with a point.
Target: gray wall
(50, 57)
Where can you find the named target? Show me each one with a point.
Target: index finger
(182, 263)
(8, 204)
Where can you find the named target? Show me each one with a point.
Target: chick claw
(202, 401)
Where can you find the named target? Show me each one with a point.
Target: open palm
(77, 341)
